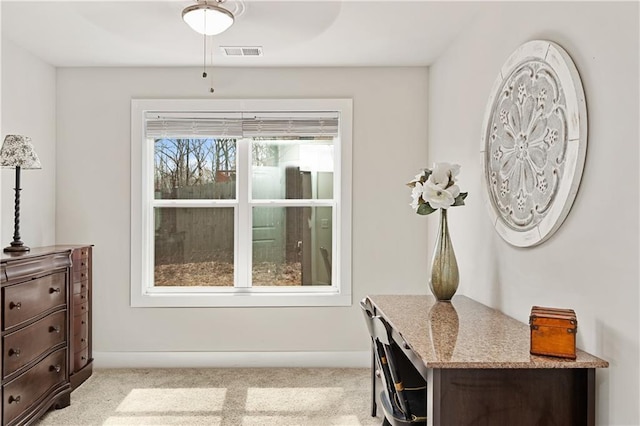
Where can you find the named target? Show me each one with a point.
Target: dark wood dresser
(81, 360)
(46, 329)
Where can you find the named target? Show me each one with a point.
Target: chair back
(380, 332)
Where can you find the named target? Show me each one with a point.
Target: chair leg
(374, 407)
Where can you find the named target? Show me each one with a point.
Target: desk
(478, 368)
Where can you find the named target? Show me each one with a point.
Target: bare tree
(191, 162)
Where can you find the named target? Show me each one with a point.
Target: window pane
(189, 169)
(292, 169)
(194, 246)
(291, 246)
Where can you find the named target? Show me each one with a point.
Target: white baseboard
(350, 359)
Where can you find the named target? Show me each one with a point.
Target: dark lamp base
(16, 249)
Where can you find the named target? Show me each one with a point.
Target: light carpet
(220, 397)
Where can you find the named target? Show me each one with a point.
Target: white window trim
(143, 295)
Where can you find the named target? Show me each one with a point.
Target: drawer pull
(55, 368)
(54, 329)
(82, 340)
(15, 305)
(82, 264)
(14, 352)
(83, 307)
(82, 274)
(54, 290)
(82, 296)
(83, 358)
(13, 399)
(83, 322)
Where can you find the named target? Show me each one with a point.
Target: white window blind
(249, 124)
(193, 125)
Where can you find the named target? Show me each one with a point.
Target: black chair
(401, 405)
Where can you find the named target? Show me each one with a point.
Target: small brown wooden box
(553, 332)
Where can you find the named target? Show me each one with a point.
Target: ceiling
(291, 33)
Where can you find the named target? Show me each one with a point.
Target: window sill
(244, 299)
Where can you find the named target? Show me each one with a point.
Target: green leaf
(425, 209)
(459, 201)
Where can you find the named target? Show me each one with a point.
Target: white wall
(93, 198)
(591, 263)
(28, 108)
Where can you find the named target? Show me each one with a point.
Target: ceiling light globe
(207, 19)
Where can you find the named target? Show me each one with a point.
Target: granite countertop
(467, 334)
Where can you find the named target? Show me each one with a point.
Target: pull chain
(211, 88)
(204, 51)
(204, 56)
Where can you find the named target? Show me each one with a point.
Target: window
(241, 203)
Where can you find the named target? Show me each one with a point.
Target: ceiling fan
(208, 18)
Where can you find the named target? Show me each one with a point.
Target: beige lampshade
(17, 151)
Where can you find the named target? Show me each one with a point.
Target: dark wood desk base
(514, 397)
(479, 369)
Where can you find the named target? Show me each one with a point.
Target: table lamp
(17, 152)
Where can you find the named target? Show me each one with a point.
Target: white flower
(434, 189)
(416, 193)
(419, 177)
(454, 190)
(443, 174)
(436, 196)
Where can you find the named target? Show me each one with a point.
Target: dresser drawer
(80, 309)
(23, 391)
(18, 268)
(81, 324)
(80, 359)
(80, 341)
(80, 275)
(79, 299)
(80, 265)
(23, 346)
(24, 301)
(81, 253)
(80, 286)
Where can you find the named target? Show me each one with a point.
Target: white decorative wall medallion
(534, 143)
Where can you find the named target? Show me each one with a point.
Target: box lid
(553, 317)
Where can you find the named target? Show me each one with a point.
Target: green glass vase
(444, 267)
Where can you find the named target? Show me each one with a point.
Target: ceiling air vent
(242, 50)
